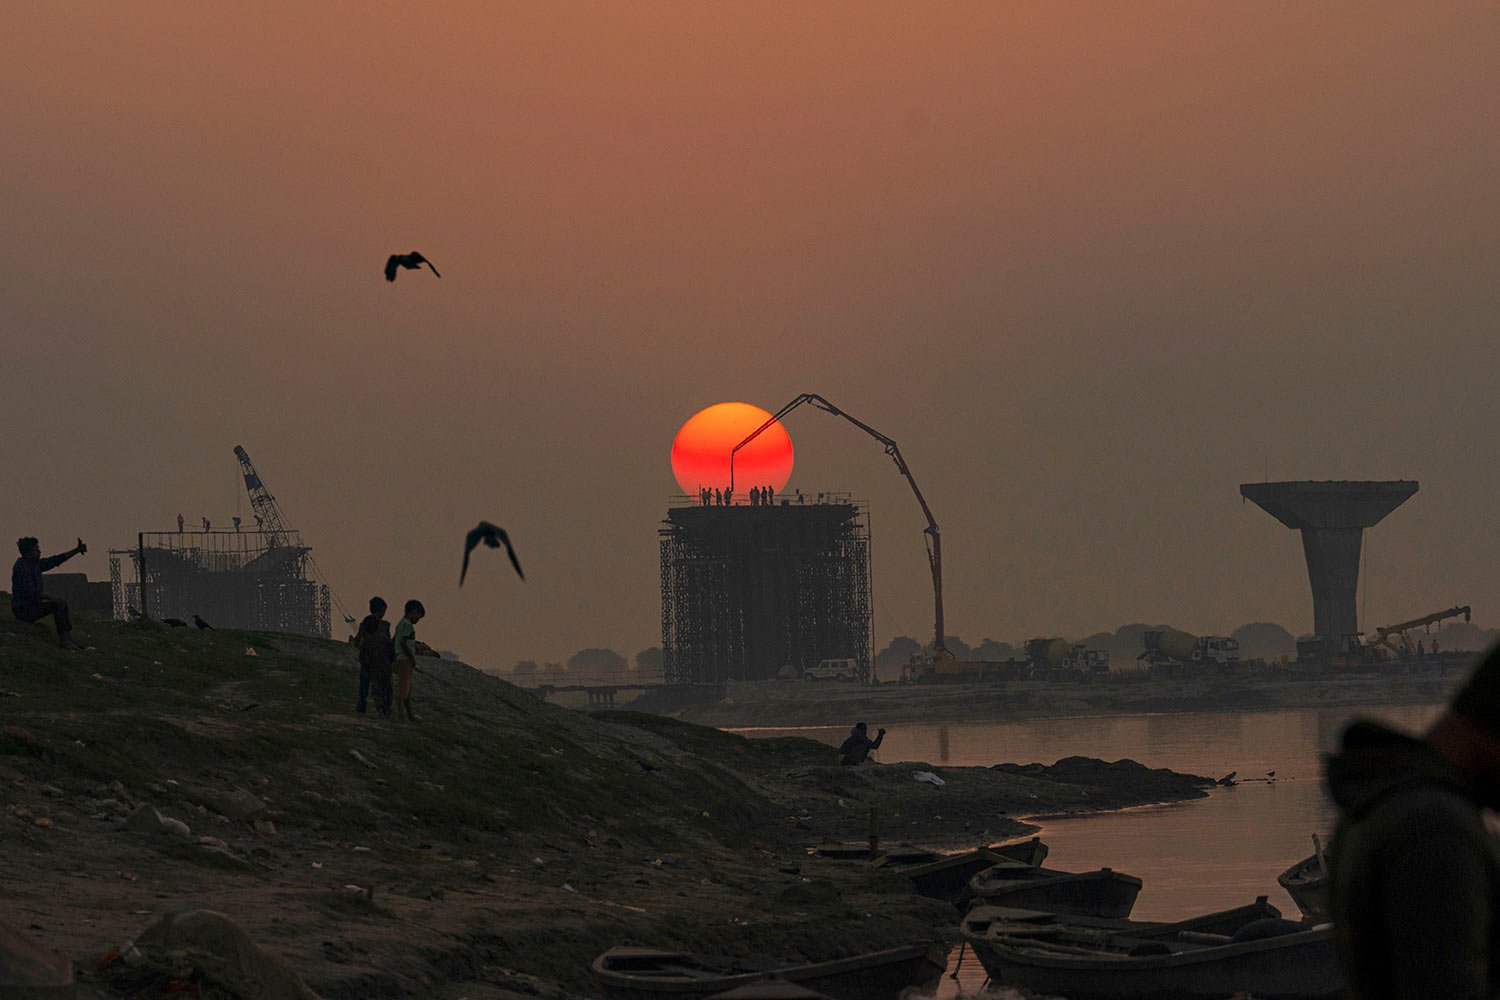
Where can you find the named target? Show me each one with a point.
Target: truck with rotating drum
(1172, 651)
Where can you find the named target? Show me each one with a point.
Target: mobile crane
(933, 539)
(1390, 641)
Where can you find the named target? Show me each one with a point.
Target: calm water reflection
(1196, 856)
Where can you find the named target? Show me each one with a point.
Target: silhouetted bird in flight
(201, 623)
(174, 622)
(411, 261)
(494, 537)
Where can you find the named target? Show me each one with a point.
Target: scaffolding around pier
(748, 589)
(234, 579)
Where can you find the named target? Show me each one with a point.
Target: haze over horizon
(1092, 268)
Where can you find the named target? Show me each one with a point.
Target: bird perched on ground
(492, 536)
(411, 261)
(201, 623)
(174, 622)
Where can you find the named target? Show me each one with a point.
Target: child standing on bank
(406, 656)
(375, 659)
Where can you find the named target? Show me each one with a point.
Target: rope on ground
(960, 963)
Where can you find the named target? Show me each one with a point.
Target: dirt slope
(490, 850)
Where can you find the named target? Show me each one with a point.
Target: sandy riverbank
(491, 850)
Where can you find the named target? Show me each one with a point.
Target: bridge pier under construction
(1332, 517)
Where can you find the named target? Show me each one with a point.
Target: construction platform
(233, 579)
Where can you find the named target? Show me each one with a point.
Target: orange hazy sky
(1091, 265)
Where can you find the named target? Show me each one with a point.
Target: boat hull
(1102, 893)
(1309, 886)
(1297, 967)
(948, 878)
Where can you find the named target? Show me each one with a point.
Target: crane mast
(261, 501)
(933, 539)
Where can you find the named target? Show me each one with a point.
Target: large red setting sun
(700, 452)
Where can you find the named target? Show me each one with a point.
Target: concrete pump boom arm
(934, 538)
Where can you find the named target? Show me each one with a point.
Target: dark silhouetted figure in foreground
(858, 746)
(27, 602)
(376, 653)
(1416, 880)
(201, 623)
(410, 261)
(406, 657)
(492, 536)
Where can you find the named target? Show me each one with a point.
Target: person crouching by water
(375, 655)
(858, 746)
(1415, 887)
(27, 602)
(406, 657)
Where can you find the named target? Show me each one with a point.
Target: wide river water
(1194, 857)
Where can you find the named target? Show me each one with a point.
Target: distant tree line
(594, 664)
(1258, 640)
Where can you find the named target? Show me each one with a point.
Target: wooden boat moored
(1014, 921)
(1102, 893)
(948, 877)
(1309, 885)
(1234, 952)
(649, 974)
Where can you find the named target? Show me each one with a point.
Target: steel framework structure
(746, 590)
(234, 579)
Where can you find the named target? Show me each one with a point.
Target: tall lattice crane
(933, 539)
(272, 522)
(267, 513)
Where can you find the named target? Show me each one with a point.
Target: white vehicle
(833, 670)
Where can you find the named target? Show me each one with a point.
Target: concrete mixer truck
(1173, 651)
(1052, 658)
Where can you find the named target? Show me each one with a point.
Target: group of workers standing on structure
(208, 525)
(760, 496)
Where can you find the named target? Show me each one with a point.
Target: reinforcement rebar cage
(233, 579)
(747, 590)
